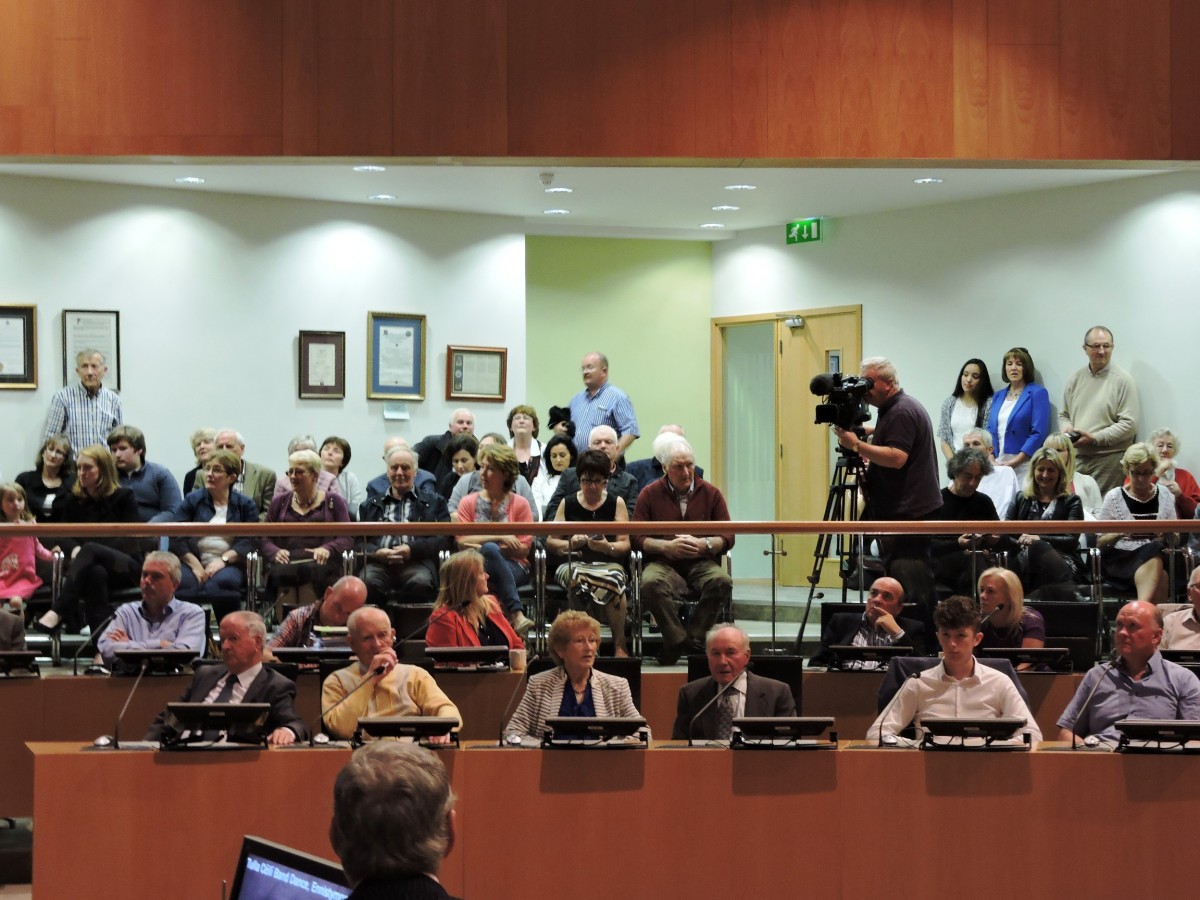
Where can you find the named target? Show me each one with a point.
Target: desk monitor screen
(269, 871)
(311, 655)
(996, 729)
(594, 727)
(1053, 657)
(158, 662)
(407, 726)
(844, 653)
(1183, 657)
(243, 721)
(474, 656)
(791, 727)
(1168, 731)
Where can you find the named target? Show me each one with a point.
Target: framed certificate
(396, 356)
(92, 329)
(18, 348)
(322, 365)
(476, 373)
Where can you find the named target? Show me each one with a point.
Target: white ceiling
(625, 200)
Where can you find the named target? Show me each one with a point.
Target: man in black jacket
(879, 625)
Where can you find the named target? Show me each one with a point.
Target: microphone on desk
(701, 711)
(115, 741)
(93, 638)
(887, 709)
(983, 621)
(315, 730)
(1090, 740)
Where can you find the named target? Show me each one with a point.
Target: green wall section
(645, 304)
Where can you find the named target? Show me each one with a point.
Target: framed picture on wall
(395, 356)
(476, 373)
(322, 365)
(18, 348)
(92, 329)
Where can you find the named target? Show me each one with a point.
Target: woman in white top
(1082, 485)
(966, 408)
(560, 454)
(335, 456)
(523, 429)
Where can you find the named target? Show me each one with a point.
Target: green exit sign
(805, 231)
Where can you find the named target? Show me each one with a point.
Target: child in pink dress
(18, 555)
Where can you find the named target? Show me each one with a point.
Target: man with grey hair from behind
(393, 822)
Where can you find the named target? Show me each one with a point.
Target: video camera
(845, 402)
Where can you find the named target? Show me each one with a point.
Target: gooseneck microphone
(701, 711)
(1112, 661)
(93, 638)
(983, 621)
(887, 709)
(116, 744)
(508, 708)
(312, 741)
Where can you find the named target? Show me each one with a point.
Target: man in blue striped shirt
(88, 411)
(601, 403)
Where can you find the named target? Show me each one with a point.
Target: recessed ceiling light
(370, 168)
(712, 225)
(741, 187)
(726, 208)
(559, 190)
(189, 179)
(927, 181)
(382, 197)
(556, 212)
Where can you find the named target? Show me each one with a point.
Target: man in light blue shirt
(601, 403)
(158, 620)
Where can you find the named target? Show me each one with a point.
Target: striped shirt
(608, 406)
(84, 419)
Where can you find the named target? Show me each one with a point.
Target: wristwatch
(708, 544)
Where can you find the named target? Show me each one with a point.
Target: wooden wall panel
(451, 78)
(299, 79)
(1023, 101)
(713, 82)
(749, 78)
(354, 77)
(803, 83)
(1023, 22)
(26, 87)
(1185, 79)
(167, 77)
(970, 78)
(1116, 79)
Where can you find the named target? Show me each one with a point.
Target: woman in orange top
(465, 614)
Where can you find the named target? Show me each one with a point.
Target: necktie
(224, 696)
(725, 709)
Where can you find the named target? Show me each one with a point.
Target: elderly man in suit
(742, 693)
(879, 625)
(242, 679)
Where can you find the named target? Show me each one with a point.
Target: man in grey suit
(745, 694)
(256, 482)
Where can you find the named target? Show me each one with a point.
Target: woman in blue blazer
(1019, 419)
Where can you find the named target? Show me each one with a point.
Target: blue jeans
(504, 577)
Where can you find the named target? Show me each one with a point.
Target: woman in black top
(53, 475)
(1047, 561)
(962, 501)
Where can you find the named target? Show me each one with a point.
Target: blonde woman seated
(1007, 623)
(1134, 560)
(465, 614)
(1047, 563)
(594, 571)
(573, 688)
(1080, 484)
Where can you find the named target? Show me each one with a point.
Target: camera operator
(901, 481)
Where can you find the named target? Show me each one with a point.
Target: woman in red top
(465, 614)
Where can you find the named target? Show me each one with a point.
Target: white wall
(213, 289)
(942, 284)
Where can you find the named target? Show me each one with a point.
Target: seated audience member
(1006, 622)
(963, 502)
(745, 694)
(1181, 629)
(523, 432)
(403, 563)
(203, 442)
(53, 474)
(460, 452)
(879, 625)
(967, 406)
(431, 450)
(1130, 560)
(558, 456)
(379, 485)
(683, 565)
(159, 621)
(958, 686)
(1001, 482)
(644, 471)
(94, 565)
(465, 614)
(505, 556)
(1047, 563)
(1139, 685)
(1081, 485)
(335, 456)
(242, 678)
(19, 556)
(297, 560)
(396, 689)
(255, 481)
(326, 480)
(154, 487)
(333, 610)
(573, 687)
(1179, 482)
(1019, 419)
(214, 565)
(620, 483)
(471, 482)
(592, 567)
(390, 788)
